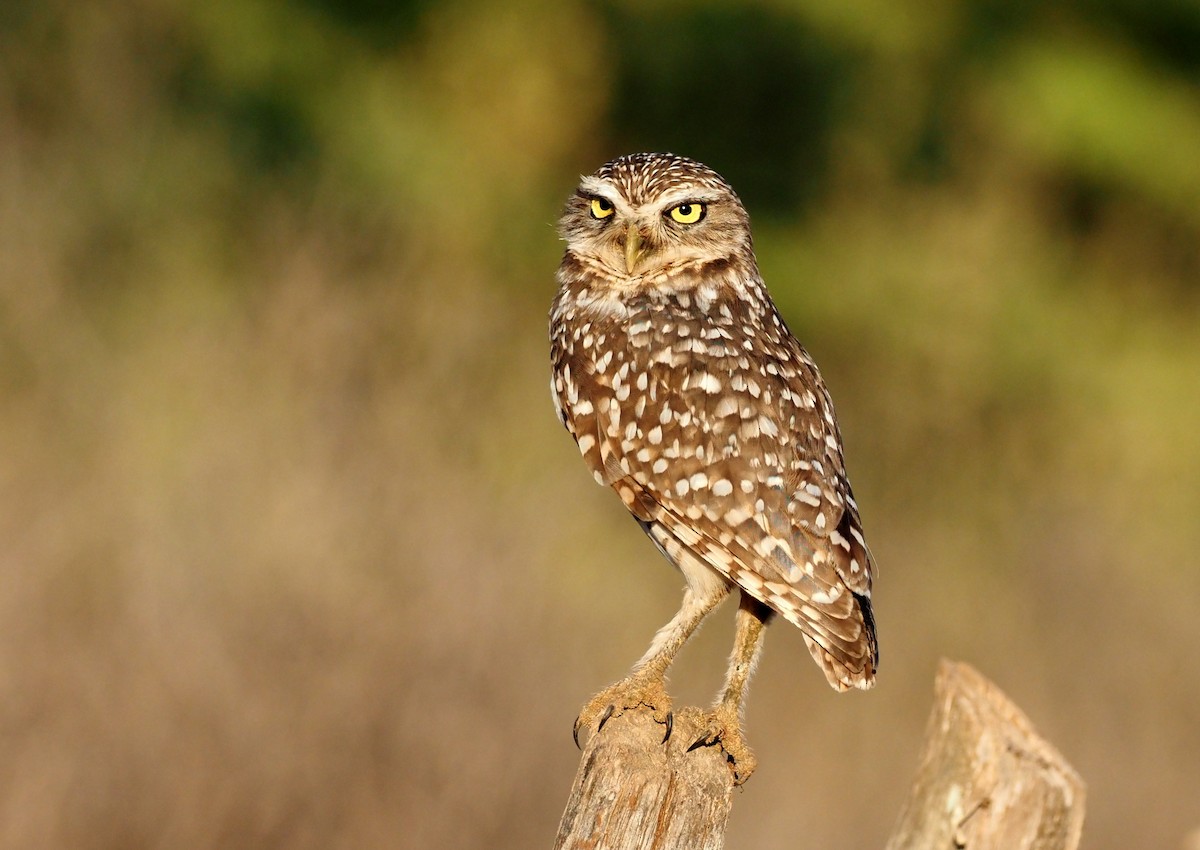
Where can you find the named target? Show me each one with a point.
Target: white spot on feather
(710, 383)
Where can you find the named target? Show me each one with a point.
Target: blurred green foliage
(295, 553)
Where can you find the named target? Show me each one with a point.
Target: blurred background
(293, 552)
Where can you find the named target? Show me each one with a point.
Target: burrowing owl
(687, 394)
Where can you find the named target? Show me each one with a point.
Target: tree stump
(633, 792)
(986, 779)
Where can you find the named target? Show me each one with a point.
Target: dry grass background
(294, 553)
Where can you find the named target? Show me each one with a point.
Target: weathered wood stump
(633, 791)
(986, 779)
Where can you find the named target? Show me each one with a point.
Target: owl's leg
(645, 684)
(725, 720)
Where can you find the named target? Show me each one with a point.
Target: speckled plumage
(687, 394)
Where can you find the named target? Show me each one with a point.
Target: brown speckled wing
(713, 425)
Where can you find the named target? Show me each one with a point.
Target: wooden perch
(633, 792)
(986, 781)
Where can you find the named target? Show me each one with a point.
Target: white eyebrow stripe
(686, 193)
(595, 186)
(605, 189)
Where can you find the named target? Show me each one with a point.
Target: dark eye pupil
(604, 206)
(685, 209)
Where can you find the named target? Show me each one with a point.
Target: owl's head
(647, 213)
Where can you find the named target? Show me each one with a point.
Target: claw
(630, 693)
(724, 729)
(604, 718)
(670, 726)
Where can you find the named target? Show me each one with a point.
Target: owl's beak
(634, 248)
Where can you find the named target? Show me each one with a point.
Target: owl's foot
(629, 693)
(724, 727)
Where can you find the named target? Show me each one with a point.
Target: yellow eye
(601, 208)
(687, 213)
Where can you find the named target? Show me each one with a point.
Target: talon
(723, 729)
(631, 693)
(605, 717)
(575, 734)
(670, 726)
